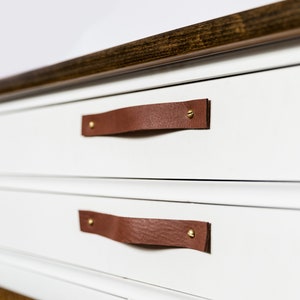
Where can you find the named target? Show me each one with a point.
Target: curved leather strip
(154, 232)
(172, 115)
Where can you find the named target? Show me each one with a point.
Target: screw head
(91, 124)
(190, 114)
(191, 233)
(91, 221)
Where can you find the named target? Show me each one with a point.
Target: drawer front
(252, 136)
(254, 252)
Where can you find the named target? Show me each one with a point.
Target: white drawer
(254, 251)
(253, 135)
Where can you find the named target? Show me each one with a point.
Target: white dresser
(240, 175)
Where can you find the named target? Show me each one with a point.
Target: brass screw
(91, 124)
(91, 221)
(191, 233)
(190, 114)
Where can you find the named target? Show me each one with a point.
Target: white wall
(35, 33)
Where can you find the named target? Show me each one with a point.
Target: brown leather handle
(194, 114)
(154, 232)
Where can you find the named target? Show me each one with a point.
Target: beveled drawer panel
(252, 136)
(253, 250)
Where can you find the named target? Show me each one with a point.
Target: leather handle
(153, 232)
(194, 114)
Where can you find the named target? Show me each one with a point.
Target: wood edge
(204, 52)
(9, 295)
(57, 86)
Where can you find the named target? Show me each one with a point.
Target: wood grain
(7, 295)
(266, 24)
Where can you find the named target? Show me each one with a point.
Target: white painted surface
(254, 250)
(255, 244)
(254, 122)
(35, 33)
(37, 286)
(249, 194)
(46, 279)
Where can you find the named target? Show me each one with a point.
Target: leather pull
(194, 114)
(152, 232)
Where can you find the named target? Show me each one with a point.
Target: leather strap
(152, 232)
(194, 114)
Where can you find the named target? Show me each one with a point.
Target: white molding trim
(47, 279)
(284, 195)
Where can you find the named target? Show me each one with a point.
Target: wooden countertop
(267, 24)
(7, 295)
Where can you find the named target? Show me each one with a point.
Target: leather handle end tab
(144, 231)
(194, 114)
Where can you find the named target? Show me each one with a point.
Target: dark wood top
(271, 23)
(7, 295)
